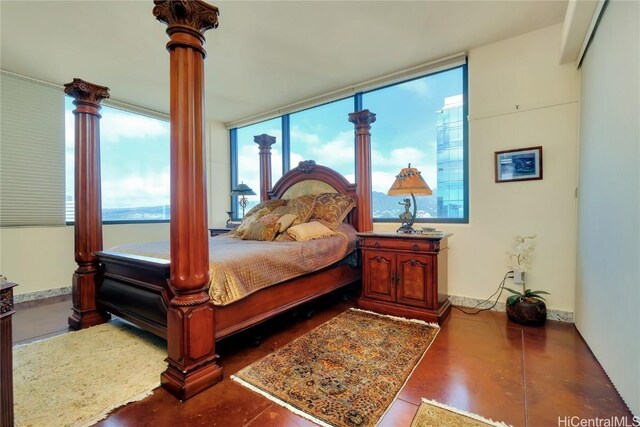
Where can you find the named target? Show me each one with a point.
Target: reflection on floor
(524, 376)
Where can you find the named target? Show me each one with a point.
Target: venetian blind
(31, 153)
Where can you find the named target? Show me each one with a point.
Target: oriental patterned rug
(432, 413)
(77, 378)
(345, 372)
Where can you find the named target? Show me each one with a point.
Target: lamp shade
(409, 181)
(242, 190)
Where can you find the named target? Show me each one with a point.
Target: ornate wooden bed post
(88, 206)
(265, 142)
(362, 121)
(190, 317)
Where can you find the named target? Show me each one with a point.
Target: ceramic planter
(528, 313)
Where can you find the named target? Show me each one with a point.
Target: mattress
(241, 267)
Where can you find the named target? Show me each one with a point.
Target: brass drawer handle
(376, 245)
(416, 247)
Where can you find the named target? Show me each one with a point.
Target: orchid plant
(520, 262)
(520, 258)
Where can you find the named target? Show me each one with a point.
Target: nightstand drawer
(414, 245)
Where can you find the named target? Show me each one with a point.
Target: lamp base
(406, 228)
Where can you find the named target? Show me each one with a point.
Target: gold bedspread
(241, 267)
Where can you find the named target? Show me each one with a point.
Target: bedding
(310, 231)
(331, 209)
(241, 267)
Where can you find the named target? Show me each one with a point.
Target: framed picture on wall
(522, 164)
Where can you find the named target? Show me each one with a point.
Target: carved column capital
(193, 17)
(265, 142)
(362, 119)
(86, 93)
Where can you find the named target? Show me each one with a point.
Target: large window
(134, 156)
(248, 161)
(420, 121)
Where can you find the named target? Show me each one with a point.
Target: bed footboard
(133, 287)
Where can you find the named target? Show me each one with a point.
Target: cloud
(151, 188)
(117, 125)
(306, 138)
(337, 153)
(419, 87)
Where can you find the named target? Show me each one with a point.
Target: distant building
(450, 138)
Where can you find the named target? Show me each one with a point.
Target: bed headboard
(311, 178)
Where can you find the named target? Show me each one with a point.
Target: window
(420, 121)
(248, 161)
(325, 135)
(134, 161)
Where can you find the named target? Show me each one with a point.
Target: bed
(170, 297)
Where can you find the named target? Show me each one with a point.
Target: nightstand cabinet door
(414, 280)
(379, 275)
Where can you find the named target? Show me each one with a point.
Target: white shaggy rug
(77, 378)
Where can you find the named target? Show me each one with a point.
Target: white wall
(41, 258)
(218, 173)
(608, 272)
(520, 71)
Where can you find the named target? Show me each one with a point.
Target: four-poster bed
(170, 298)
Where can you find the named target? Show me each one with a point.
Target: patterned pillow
(265, 207)
(286, 221)
(255, 213)
(301, 207)
(264, 228)
(331, 209)
(310, 231)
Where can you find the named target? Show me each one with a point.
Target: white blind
(31, 153)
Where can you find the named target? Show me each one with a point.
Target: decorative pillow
(265, 207)
(331, 209)
(301, 207)
(244, 226)
(310, 231)
(255, 213)
(264, 228)
(286, 221)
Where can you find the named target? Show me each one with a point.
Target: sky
(404, 131)
(135, 148)
(134, 152)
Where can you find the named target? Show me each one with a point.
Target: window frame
(358, 105)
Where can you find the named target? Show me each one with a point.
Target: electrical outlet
(518, 277)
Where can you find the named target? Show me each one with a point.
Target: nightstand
(215, 231)
(404, 275)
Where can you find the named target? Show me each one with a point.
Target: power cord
(498, 291)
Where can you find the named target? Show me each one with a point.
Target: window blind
(31, 153)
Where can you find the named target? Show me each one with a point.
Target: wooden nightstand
(216, 231)
(404, 275)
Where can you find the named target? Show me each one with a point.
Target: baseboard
(48, 293)
(559, 315)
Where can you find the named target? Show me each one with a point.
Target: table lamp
(242, 190)
(409, 181)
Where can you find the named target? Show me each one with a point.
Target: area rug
(345, 372)
(77, 378)
(435, 414)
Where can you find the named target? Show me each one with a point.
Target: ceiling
(264, 55)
